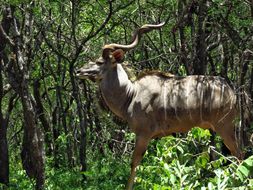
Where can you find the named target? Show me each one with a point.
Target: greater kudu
(157, 105)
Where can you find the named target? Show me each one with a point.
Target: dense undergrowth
(169, 163)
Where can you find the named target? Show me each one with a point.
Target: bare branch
(91, 35)
(5, 36)
(52, 47)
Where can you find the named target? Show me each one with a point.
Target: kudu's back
(183, 97)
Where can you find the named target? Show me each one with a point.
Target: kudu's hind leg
(139, 150)
(227, 133)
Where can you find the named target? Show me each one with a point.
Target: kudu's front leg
(139, 150)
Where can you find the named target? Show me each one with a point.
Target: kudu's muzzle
(90, 71)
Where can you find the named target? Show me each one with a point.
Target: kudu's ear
(118, 55)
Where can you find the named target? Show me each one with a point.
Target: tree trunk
(32, 153)
(251, 84)
(4, 156)
(183, 53)
(82, 120)
(200, 60)
(32, 148)
(42, 116)
(241, 136)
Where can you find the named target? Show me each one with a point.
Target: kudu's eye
(99, 63)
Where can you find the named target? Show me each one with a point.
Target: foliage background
(85, 147)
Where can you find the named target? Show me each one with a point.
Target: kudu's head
(112, 55)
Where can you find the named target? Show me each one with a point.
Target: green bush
(169, 163)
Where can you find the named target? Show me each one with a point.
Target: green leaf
(243, 170)
(240, 176)
(249, 161)
(166, 166)
(87, 173)
(180, 149)
(173, 178)
(210, 186)
(202, 160)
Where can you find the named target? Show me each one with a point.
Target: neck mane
(133, 77)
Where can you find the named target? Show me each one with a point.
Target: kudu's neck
(117, 90)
